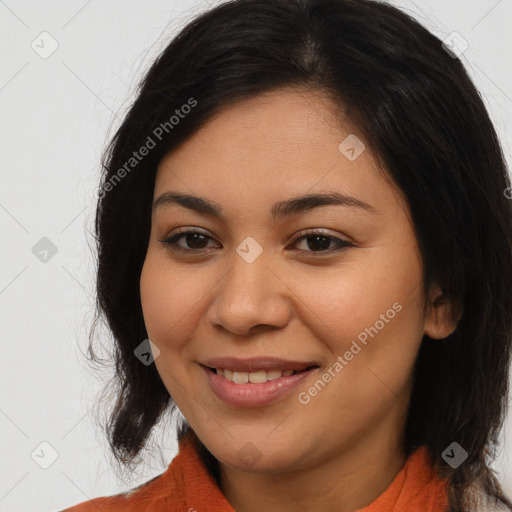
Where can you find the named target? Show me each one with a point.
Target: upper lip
(254, 364)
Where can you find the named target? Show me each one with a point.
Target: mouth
(259, 386)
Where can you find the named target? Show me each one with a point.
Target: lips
(255, 381)
(251, 394)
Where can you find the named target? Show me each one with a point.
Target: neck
(351, 479)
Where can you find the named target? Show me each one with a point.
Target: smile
(258, 388)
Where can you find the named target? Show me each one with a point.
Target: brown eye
(317, 241)
(195, 241)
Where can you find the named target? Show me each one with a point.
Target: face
(336, 286)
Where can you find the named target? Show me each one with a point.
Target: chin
(247, 456)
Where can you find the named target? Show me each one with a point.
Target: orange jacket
(187, 486)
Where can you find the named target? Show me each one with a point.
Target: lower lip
(253, 395)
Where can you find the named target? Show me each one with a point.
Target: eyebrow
(278, 211)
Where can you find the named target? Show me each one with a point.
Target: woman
(305, 210)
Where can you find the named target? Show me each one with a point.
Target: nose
(250, 297)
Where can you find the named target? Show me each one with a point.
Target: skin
(341, 450)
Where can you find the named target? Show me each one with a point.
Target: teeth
(253, 377)
(275, 374)
(240, 377)
(257, 377)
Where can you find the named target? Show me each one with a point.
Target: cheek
(377, 333)
(170, 304)
(171, 301)
(152, 296)
(371, 312)
(341, 304)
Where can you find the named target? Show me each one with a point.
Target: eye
(317, 241)
(193, 237)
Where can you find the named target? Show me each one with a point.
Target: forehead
(273, 146)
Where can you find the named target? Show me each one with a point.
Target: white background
(56, 116)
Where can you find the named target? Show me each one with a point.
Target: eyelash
(170, 242)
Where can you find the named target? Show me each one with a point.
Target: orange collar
(415, 486)
(187, 486)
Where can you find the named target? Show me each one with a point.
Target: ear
(443, 314)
